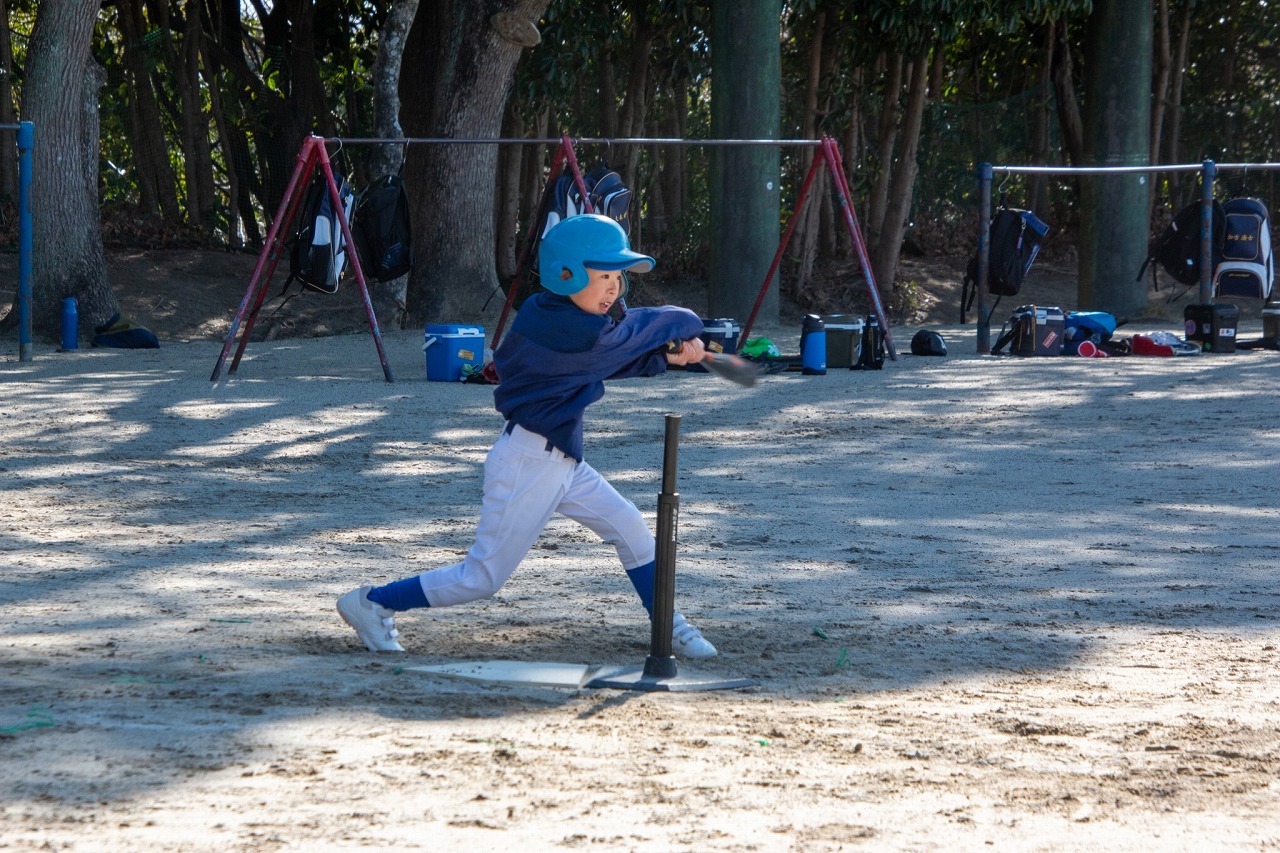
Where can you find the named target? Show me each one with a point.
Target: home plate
(539, 674)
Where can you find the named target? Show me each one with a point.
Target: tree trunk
(745, 104)
(507, 208)
(8, 141)
(246, 105)
(392, 38)
(1174, 152)
(807, 220)
(307, 109)
(672, 175)
(607, 102)
(266, 144)
(197, 154)
(1160, 88)
(1038, 192)
(390, 298)
(1114, 216)
(60, 96)
(886, 140)
(834, 240)
(461, 70)
(633, 109)
(884, 260)
(156, 181)
(533, 175)
(1064, 90)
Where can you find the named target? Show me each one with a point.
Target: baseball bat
(726, 366)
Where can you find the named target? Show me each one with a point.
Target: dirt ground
(988, 603)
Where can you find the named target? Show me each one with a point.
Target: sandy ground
(989, 604)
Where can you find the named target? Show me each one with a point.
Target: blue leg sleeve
(642, 580)
(400, 595)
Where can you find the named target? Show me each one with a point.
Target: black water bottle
(813, 346)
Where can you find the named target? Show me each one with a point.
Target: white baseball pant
(525, 483)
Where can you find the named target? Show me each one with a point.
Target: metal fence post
(984, 256)
(1206, 231)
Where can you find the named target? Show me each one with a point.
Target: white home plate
(518, 672)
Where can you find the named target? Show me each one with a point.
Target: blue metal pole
(1206, 231)
(984, 256)
(26, 141)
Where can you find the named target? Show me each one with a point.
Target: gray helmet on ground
(579, 242)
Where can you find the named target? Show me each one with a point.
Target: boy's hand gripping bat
(726, 366)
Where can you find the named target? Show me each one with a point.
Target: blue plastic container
(813, 346)
(449, 348)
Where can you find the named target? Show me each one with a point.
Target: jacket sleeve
(634, 345)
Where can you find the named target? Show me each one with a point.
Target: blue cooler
(449, 348)
(718, 336)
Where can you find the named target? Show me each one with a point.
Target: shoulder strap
(1007, 335)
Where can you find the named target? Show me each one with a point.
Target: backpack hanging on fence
(1177, 249)
(383, 232)
(1015, 241)
(608, 195)
(318, 254)
(1245, 268)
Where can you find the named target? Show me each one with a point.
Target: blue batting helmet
(579, 242)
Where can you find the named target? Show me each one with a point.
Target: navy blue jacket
(553, 362)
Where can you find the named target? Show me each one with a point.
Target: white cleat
(375, 624)
(688, 641)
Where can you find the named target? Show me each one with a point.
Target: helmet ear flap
(556, 256)
(577, 279)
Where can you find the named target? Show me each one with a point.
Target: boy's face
(603, 287)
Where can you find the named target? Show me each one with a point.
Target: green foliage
(989, 94)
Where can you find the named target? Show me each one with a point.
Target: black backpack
(1016, 236)
(1177, 249)
(318, 254)
(871, 353)
(383, 233)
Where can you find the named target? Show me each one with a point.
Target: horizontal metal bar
(1246, 166)
(1093, 170)
(585, 140)
(1111, 170)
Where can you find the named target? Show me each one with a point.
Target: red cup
(1088, 349)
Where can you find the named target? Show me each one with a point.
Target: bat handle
(676, 346)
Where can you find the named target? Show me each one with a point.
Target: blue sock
(400, 595)
(642, 580)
